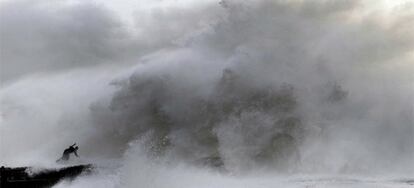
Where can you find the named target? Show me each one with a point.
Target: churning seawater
(265, 93)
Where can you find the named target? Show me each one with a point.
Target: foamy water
(213, 94)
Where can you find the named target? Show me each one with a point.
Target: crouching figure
(66, 154)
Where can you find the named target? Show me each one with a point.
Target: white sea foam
(214, 94)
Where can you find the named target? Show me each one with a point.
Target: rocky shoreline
(20, 176)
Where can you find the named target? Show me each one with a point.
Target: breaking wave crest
(252, 87)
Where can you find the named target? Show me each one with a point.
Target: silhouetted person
(66, 154)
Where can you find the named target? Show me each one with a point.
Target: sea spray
(253, 87)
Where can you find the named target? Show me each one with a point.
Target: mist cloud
(38, 36)
(327, 84)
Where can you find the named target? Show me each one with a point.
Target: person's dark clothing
(68, 151)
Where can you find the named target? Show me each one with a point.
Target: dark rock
(18, 177)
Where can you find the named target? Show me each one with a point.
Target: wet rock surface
(19, 177)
